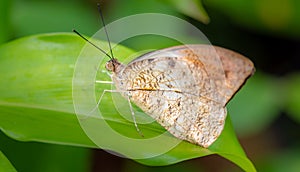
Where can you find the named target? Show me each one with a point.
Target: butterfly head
(112, 65)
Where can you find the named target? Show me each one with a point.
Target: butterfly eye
(110, 66)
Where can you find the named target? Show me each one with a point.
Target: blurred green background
(265, 113)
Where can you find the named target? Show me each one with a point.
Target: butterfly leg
(98, 103)
(107, 73)
(130, 106)
(133, 117)
(104, 82)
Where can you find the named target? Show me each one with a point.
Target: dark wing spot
(170, 108)
(171, 63)
(226, 73)
(150, 60)
(169, 85)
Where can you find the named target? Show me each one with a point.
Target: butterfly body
(184, 88)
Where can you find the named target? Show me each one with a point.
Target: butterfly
(184, 88)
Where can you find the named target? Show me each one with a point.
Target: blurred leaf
(189, 166)
(256, 105)
(32, 17)
(293, 96)
(275, 17)
(126, 9)
(36, 102)
(191, 8)
(122, 8)
(5, 29)
(46, 157)
(285, 160)
(5, 165)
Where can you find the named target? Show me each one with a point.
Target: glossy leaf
(5, 165)
(36, 102)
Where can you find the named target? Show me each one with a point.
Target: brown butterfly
(184, 88)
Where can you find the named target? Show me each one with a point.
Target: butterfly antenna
(103, 23)
(92, 43)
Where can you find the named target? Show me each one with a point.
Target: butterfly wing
(237, 70)
(184, 89)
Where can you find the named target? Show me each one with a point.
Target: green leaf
(282, 160)
(5, 29)
(5, 165)
(32, 17)
(36, 99)
(272, 17)
(36, 103)
(191, 8)
(293, 96)
(256, 104)
(46, 157)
